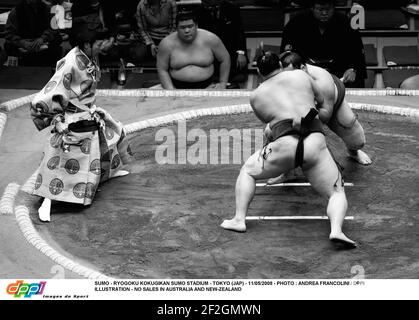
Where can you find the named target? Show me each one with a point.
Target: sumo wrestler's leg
(286, 176)
(325, 177)
(277, 158)
(348, 128)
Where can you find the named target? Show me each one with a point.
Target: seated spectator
(156, 19)
(125, 21)
(185, 59)
(125, 13)
(223, 19)
(29, 35)
(325, 38)
(100, 17)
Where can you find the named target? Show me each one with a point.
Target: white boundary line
(238, 93)
(406, 112)
(258, 218)
(3, 120)
(32, 236)
(29, 185)
(12, 104)
(22, 212)
(8, 198)
(294, 184)
(16, 103)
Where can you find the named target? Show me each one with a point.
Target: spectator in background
(29, 35)
(185, 59)
(126, 25)
(125, 13)
(156, 19)
(99, 16)
(223, 18)
(325, 38)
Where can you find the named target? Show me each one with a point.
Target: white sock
(120, 173)
(44, 210)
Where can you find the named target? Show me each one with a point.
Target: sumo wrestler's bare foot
(234, 225)
(360, 157)
(340, 238)
(120, 173)
(44, 210)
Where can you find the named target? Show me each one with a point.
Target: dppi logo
(27, 290)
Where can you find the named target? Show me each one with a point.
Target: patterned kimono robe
(76, 162)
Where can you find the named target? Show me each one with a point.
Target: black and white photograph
(209, 149)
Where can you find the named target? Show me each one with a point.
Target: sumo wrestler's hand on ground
(220, 85)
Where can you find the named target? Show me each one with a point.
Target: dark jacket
(26, 23)
(339, 42)
(88, 11)
(228, 27)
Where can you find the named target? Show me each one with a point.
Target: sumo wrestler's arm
(163, 64)
(256, 102)
(322, 108)
(222, 55)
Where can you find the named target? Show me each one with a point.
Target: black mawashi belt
(83, 126)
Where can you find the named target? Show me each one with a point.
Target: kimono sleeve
(52, 100)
